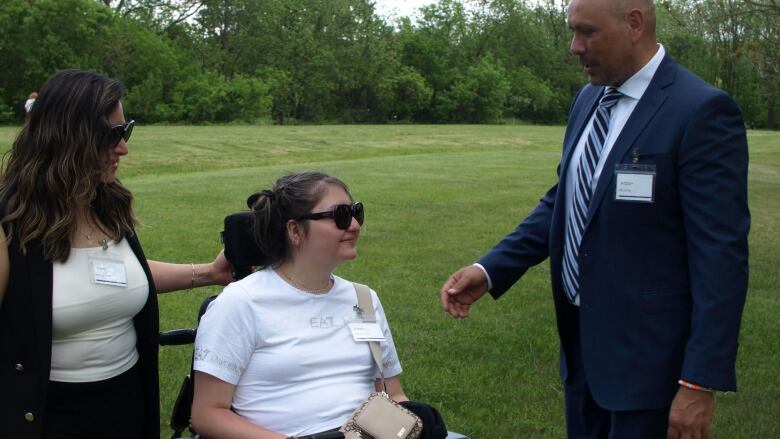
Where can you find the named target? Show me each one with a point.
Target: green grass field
(437, 197)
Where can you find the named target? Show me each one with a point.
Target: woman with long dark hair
(78, 312)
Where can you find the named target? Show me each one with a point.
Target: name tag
(366, 331)
(634, 182)
(106, 270)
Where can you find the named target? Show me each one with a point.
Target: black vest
(25, 344)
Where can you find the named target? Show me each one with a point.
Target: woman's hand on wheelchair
(221, 270)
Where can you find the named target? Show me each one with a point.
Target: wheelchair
(242, 253)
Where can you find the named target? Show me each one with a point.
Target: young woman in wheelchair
(274, 357)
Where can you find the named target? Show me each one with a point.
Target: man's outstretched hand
(462, 289)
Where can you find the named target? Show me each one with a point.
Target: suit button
(29, 417)
(19, 367)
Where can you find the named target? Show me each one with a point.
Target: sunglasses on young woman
(342, 215)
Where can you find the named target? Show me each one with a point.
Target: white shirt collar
(636, 85)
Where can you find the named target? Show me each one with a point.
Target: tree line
(314, 61)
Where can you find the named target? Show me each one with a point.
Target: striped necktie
(583, 189)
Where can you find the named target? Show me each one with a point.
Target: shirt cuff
(487, 276)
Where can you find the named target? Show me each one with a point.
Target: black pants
(585, 419)
(96, 410)
(330, 434)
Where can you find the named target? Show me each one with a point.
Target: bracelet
(192, 281)
(694, 386)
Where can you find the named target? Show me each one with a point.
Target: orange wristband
(694, 386)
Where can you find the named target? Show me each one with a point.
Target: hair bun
(250, 202)
(254, 199)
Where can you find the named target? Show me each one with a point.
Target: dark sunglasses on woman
(342, 215)
(121, 131)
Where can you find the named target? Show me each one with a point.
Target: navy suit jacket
(663, 284)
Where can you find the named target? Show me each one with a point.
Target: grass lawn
(436, 197)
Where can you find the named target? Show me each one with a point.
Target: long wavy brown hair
(55, 165)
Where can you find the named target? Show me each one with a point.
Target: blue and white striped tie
(583, 189)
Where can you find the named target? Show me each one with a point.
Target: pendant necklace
(103, 242)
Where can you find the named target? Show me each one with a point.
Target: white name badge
(366, 331)
(105, 270)
(635, 183)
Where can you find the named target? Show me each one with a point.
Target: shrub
(404, 94)
(475, 97)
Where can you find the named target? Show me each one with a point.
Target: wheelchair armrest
(176, 337)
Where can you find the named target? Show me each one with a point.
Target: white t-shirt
(290, 354)
(93, 337)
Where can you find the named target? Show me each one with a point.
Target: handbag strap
(366, 305)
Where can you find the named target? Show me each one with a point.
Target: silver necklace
(103, 242)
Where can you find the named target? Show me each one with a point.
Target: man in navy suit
(646, 231)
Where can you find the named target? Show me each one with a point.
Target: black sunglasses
(122, 131)
(342, 215)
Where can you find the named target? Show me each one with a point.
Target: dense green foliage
(473, 61)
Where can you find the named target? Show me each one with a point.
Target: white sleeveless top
(93, 337)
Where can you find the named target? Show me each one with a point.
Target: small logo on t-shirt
(321, 322)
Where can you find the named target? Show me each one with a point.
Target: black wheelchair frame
(182, 407)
